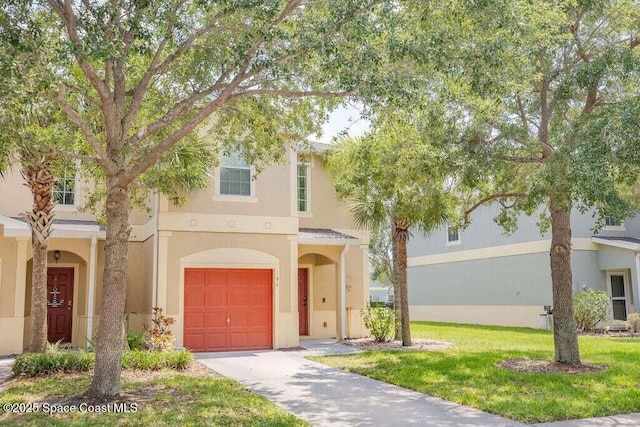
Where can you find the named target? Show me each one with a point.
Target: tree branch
(516, 159)
(295, 94)
(86, 131)
(65, 12)
(489, 199)
(76, 156)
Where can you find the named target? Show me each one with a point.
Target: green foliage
(381, 322)
(136, 341)
(53, 360)
(634, 322)
(159, 336)
(590, 307)
(156, 360)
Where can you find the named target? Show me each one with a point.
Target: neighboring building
(246, 264)
(379, 292)
(480, 275)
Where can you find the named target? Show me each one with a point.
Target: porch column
(21, 277)
(343, 293)
(92, 287)
(163, 261)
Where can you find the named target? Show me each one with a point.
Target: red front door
(59, 304)
(303, 299)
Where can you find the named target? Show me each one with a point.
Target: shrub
(159, 336)
(155, 360)
(52, 361)
(380, 321)
(590, 307)
(136, 341)
(634, 322)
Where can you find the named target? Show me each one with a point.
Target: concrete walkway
(5, 370)
(326, 396)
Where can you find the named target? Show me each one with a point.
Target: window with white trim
(453, 235)
(610, 221)
(303, 187)
(235, 176)
(64, 189)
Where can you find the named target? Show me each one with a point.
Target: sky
(344, 119)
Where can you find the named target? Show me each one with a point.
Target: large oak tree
(136, 77)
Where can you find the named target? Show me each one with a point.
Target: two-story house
(249, 263)
(481, 275)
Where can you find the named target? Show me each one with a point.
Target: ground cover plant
(196, 397)
(469, 373)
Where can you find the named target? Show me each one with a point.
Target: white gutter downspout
(154, 268)
(635, 295)
(343, 293)
(92, 287)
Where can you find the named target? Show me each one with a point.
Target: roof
(18, 227)
(312, 147)
(324, 236)
(623, 242)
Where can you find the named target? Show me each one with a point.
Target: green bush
(590, 307)
(136, 341)
(33, 364)
(634, 322)
(376, 304)
(381, 322)
(144, 360)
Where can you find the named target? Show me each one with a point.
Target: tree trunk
(106, 376)
(38, 177)
(38, 335)
(565, 335)
(401, 235)
(395, 278)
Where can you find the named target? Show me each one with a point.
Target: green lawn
(467, 374)
(168, 399)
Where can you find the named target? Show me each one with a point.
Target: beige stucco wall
(325, 209)
(272, 197)
(183, 245)
(504, 315)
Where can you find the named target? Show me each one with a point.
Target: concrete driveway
(326, 396)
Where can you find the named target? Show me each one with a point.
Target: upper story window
(453, 235)
(303, 187)
(610, 221)
(64, 189)
(235, 176)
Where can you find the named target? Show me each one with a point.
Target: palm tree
(393, 183)
(40, 180)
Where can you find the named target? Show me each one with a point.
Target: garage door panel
(194, 320)
(194, 341)
(242, 296)
(217, 341)
(216, 320)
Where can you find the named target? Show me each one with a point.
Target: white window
(390, 298)
(235, 176)
(303, 187)
(453, 235)
(612, 223)
(64, 189)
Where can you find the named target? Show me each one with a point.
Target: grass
(163, 399)
(468, 374)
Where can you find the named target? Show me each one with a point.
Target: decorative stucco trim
(540, 246)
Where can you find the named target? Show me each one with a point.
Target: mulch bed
(547, 366)
(416, 344)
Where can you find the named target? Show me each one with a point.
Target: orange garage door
(227, 309)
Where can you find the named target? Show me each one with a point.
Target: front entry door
(619, 296)
(59, 303)
(303, 299)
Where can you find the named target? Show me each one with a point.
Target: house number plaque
(54, 300)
